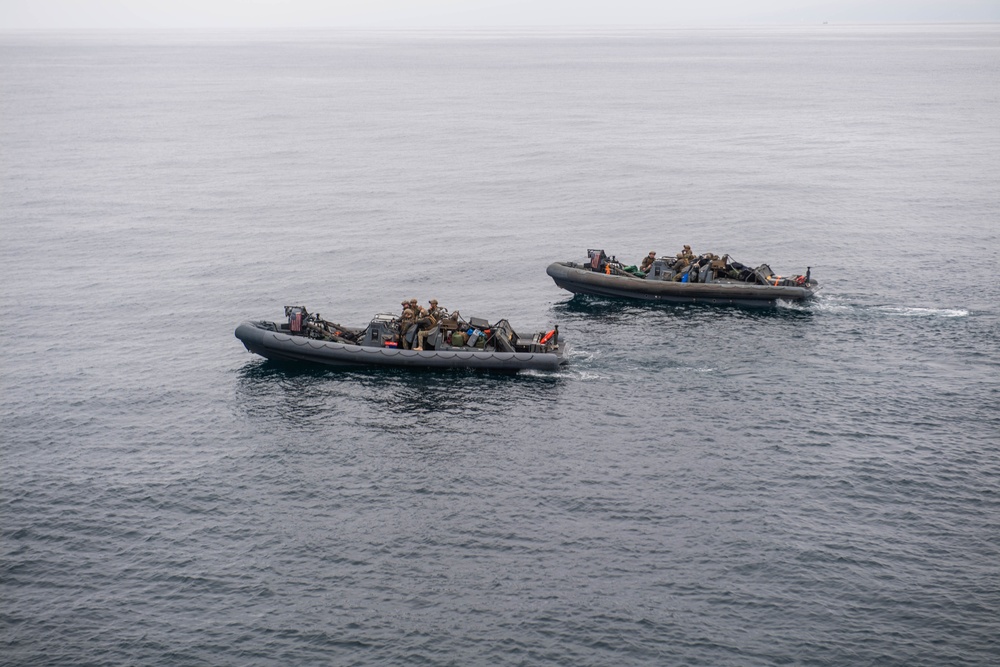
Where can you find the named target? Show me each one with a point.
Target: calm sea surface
(807, 485)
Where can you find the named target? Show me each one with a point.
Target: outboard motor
(296, 318)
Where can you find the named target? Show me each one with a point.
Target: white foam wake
(826, 304)
(904, 311)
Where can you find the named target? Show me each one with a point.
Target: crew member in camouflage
(436, 311)
(679, 266)
(647, 261)
(418, 310)
(405, 322)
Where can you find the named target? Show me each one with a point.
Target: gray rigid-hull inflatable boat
(720, 285)
(309, 338)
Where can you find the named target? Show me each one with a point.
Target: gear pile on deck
(685, 267)
(419, 337)
(686, 277)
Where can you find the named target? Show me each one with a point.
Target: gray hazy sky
(62, 14)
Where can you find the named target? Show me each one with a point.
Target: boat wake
(923, 312)
(580, 367)
(833, 305)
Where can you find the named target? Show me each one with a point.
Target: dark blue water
(807, 485)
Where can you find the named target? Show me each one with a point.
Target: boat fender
(546, 337)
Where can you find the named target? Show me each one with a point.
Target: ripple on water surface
(810, 484)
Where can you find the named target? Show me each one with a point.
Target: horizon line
(511, 28)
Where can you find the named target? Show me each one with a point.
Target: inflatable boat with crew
(451, 342)
(705, 279)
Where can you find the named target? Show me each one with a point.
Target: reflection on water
(582, 307)
(387, 399)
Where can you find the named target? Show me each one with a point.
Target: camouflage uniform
(418, 310)
(682, 266)
(405, 323)
(435, 311)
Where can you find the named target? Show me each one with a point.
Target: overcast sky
(61, 14)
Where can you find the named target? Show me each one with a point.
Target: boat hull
(578, 279)
(258, 338)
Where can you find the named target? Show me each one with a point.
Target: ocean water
(806, 485)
